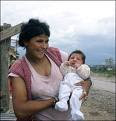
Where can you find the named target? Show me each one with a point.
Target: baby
(74, 70)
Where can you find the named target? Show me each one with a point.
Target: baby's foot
(61, 106)
(78, 116)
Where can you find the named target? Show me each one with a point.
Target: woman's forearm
(28, 108)
(22, 106)
(86, 86)
(89, 83)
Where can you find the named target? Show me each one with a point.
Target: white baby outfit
(69, 89)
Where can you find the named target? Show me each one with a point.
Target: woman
(35, 78)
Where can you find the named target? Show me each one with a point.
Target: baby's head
(77, 57)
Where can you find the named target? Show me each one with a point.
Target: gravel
(100, 105)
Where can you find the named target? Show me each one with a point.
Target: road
(104, 85)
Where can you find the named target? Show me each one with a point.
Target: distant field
(103, 77)
(105, 73)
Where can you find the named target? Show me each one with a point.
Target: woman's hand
(86, 87)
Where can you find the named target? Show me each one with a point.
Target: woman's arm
(22, 106)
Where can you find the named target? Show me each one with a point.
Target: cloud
(85, 25)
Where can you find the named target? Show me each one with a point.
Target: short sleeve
(64, 55)
(12, 75)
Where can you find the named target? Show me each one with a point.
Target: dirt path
(101, 101)
(103, 85)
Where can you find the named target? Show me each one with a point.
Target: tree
(109, 62)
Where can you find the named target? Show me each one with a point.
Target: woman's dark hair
(78, 52)
(31, 29)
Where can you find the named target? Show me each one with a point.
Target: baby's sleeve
(84, 71)
(63, 68)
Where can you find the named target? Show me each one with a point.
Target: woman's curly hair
(31, 29)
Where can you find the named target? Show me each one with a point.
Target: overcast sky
(85, 25)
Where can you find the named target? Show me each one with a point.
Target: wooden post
(6, 32)
(4, 47)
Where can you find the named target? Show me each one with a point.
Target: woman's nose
(43, 45)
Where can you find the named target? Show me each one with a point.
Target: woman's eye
(40, 41)
(46, 41)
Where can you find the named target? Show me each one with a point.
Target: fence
(6, 32)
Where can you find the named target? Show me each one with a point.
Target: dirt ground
(100, 104)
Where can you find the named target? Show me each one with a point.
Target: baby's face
(75, 59)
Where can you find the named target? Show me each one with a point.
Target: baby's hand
(67, 63)
(77, 65)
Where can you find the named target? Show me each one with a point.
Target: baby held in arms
(74, 70)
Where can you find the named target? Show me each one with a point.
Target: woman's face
(37, 46)
(75, 59)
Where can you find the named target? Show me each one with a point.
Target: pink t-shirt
(45, 86)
